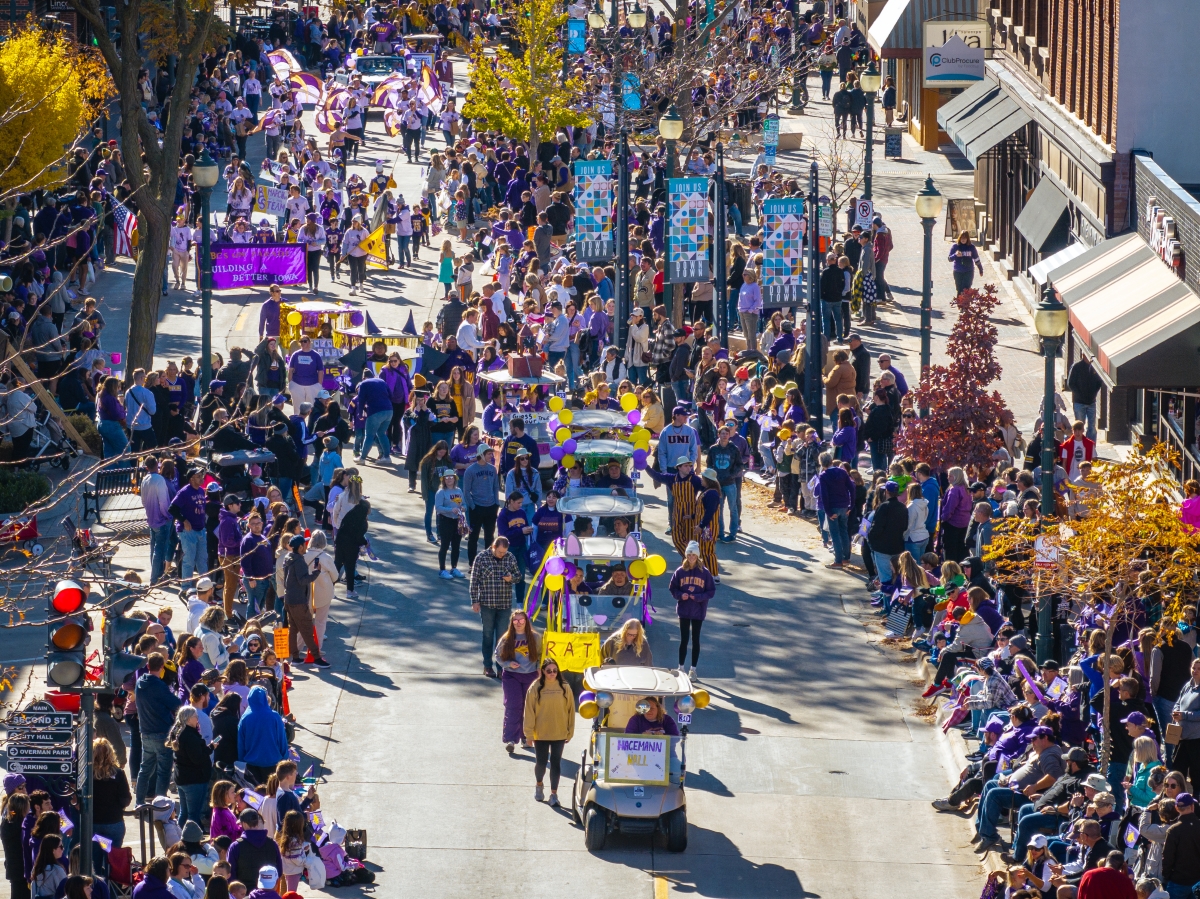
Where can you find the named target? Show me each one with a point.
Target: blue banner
(594, 211)
(689, 238)
(576, 36)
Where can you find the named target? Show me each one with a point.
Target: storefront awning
(881, 29)
(1137, 319)
(899, 30)
(980, 117)
(1043, 221)
(1044, 270)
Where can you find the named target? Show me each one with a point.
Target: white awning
(1041, 273)
(882, 27)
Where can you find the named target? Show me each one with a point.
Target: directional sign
(40, 737)
(36, 718)
(40, 753)
(17, 767)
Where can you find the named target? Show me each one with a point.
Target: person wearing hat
(612, 476)
(615, 370)
(481, 492)
(684, 489)
(188, 509)
(637, 342)
(1048, 811)
(693, 586)
(1043, 767)
(1181, 854)
(995, 693)
(229, 540)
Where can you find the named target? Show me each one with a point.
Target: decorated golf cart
(537, 424)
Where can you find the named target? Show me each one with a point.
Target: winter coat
(692, 589)
(918, 509)
(840, 380)
(156, 705)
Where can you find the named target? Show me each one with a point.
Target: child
(221, 868)
(164, 618)
(224, 822)
(419, 232)
(429, 337)
(291, 847)
(806, 465)
(270, 660)
(446, 267)
(504, 264)
(237, 889)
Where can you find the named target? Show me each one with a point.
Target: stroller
(50, 445)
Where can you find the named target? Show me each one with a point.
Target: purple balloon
(570, 570)
(356, 318)
(556, 565)
(553, 424)
(634, 416)
(556, 453)
(639, 457)
(640, 466)
(570, 445)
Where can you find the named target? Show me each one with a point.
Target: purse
(1173, 733)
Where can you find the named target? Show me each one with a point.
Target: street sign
(43, 740)
(863, 210)
(40, 737)
(770, 138)
(14, 766)
(24, 753)
(824, 221)
(34, 716)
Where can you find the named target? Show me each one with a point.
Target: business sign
(954, 64)
(770, 138)
(594, 211)
(975, 33)
(689, 237)
(783, 252)
(637, 759)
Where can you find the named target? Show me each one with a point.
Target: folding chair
(120, 873)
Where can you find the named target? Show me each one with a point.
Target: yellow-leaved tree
(525, 97)
(51, 90)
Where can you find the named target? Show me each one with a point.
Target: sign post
(771, 138)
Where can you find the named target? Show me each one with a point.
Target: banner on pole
(594, 211)
(576, 36)
(770, 138)
(689, 238)
(375, 244)
(783, 252)
(248, 265)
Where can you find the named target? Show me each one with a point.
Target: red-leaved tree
(959, 425)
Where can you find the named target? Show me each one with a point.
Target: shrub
(86, 426)
(20, 489)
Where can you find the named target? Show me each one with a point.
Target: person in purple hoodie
(258, 565)
(956, 516)
(229, 540)
(268, 879)
(837, 495)
(399, 381)
(692, 586)
(154, 886)
(306, 371)
(187, 508)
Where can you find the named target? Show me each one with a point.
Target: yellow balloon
(556, 403)
(629, 402)
(643, 444)
(655, 565)
(554, 582)
(565, 417)
(778, 391)
(702, 698)
(588, 709)
(568, 461)
(785, 433)
(637, 569)
(294, 318)
(562, 434)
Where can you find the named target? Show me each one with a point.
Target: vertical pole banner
(594, 211)
(688, 242)
(783, 252)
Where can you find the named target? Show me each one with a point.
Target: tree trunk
(153, 233)
(1106, 718)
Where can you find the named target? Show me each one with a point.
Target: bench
(108, 482)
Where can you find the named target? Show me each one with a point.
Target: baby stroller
(50, 445)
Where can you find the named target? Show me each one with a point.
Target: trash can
(741, 192)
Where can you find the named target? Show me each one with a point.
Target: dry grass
(925, 712)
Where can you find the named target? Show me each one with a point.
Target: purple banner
(249, 265)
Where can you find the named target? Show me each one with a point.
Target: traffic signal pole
(87, 705)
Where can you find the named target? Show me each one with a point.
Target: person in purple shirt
(268, 314)
(1013, 743)
(654, 721)
(837, 495)
(306, 371)
(188, 510)
(258, 565)
(375, 400)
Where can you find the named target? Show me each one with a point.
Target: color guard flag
(375, 245)
(308, 88)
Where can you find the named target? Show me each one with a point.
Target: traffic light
(119, 631)
(68, 630)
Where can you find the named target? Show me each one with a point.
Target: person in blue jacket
(262, 738)
(156, 706)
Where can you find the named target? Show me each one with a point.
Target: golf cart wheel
(677, 830)
(64, 462)
(575, 797)
(595, 830)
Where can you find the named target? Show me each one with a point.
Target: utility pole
(621, 224)
(812, 377)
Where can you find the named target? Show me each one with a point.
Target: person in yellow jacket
(549, 724)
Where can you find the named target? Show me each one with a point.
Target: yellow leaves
(50, 92)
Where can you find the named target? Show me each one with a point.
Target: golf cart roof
(599, 418)
(319, 307)
(601, 548)
(604, 505)
(502, 377)
(617, 448)
(422, 37)
(384, 334)
(638, 681)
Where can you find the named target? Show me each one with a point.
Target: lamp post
(621, 245)
(670, 126)
(720, 305)
(929, 206)
(205, 173)
(812, 377)
(1050, 320)
(870, 81)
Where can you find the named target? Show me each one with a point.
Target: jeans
(1116, 774)
(191, 802)
(879, 458)
(639, 374)
(114, 832)
(195, 554)
(1086, 413)
(829, 318)
(494, 622)
(160, 550)
(883, 562)
(572, 365)
(114, 437)
(403, 254)
(255, 594)
(826, 83)
(155, 774)
(554, 357)
(1178, 890)
(1030, 822)
(682, 395)
(736, 214)
(995, 801)
(144, 439)
(429, 515)
(963, 280)
(881, 286)
(916, 550)
(729, 494)
(839, 524)
(376, 429)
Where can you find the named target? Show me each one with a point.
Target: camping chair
(120, 873)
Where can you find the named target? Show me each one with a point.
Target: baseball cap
(987, 664)
(994, 726)
(1043, 732)
(214, 487)
(978, 485)
(1038, 841)
(1099, 784)
(892, 487)
(1185, 800)
(679, 410)
(1135, 718)
(693, 549)
(205, 583)
(230, 499)
(323, 394)
(267, 877)
(1049, 665)
(278, 400)
(1076, 754)
(296, 542)
(216, 384)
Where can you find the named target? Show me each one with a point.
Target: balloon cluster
(559, 570)
(564, 452)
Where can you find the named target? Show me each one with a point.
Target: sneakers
(554, 800)
(455, 573)
(835, 566)
(432, 539)
(350, 594)
(934, 689)
(539, 794)
(445, 575)
(321, 663)
(510, 748)
(692, 672)
(944, 805)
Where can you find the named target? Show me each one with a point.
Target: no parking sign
(863, 210)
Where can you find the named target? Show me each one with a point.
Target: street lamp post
(1050, 320)
(670, 126)
(869, 81)
(205, 174)
(929, 206)
(621, 246)
(812, 377)
(720, 306)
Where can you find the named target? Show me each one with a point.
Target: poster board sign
(893, 143)
(271, 200)
(689, 237)
(783, 251)
(415, 61)
(594, 211)
(1045, 554)
(573, 651)
(637, 759)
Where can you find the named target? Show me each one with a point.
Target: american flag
(124, 223)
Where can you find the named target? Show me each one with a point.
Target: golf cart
(588, 424)
(603, 507)
(536, 423)
(633, 783)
